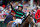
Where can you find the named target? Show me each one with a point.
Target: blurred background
(28, 5)
(7, 1)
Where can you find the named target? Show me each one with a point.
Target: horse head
(30, 19)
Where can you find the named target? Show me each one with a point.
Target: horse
(28, 20)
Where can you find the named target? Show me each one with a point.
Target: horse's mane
(24, 18)
(27, 17)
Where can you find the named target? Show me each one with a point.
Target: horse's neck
(25, 24)
(30, 19)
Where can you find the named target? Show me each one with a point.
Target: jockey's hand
(11, 3)
(22, 17)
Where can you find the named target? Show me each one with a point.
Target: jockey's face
(14, 18)
(13, 14)
(19, 8)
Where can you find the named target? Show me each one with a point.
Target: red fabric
(13, 11)
(37, 15)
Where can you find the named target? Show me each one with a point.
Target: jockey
(9, 17)
(19, 14)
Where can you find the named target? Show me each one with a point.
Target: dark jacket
(8, 19)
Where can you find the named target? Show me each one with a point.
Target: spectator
(9, 17)
(37, 15)
(1, 15)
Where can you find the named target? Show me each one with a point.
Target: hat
(21, 6)
(3, 6)
(13, 11)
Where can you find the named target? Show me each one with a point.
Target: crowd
(5, 11)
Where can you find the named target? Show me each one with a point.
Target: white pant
(18, 21)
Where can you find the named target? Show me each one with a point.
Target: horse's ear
(29, 14)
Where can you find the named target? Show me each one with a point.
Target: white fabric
(18, 21)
